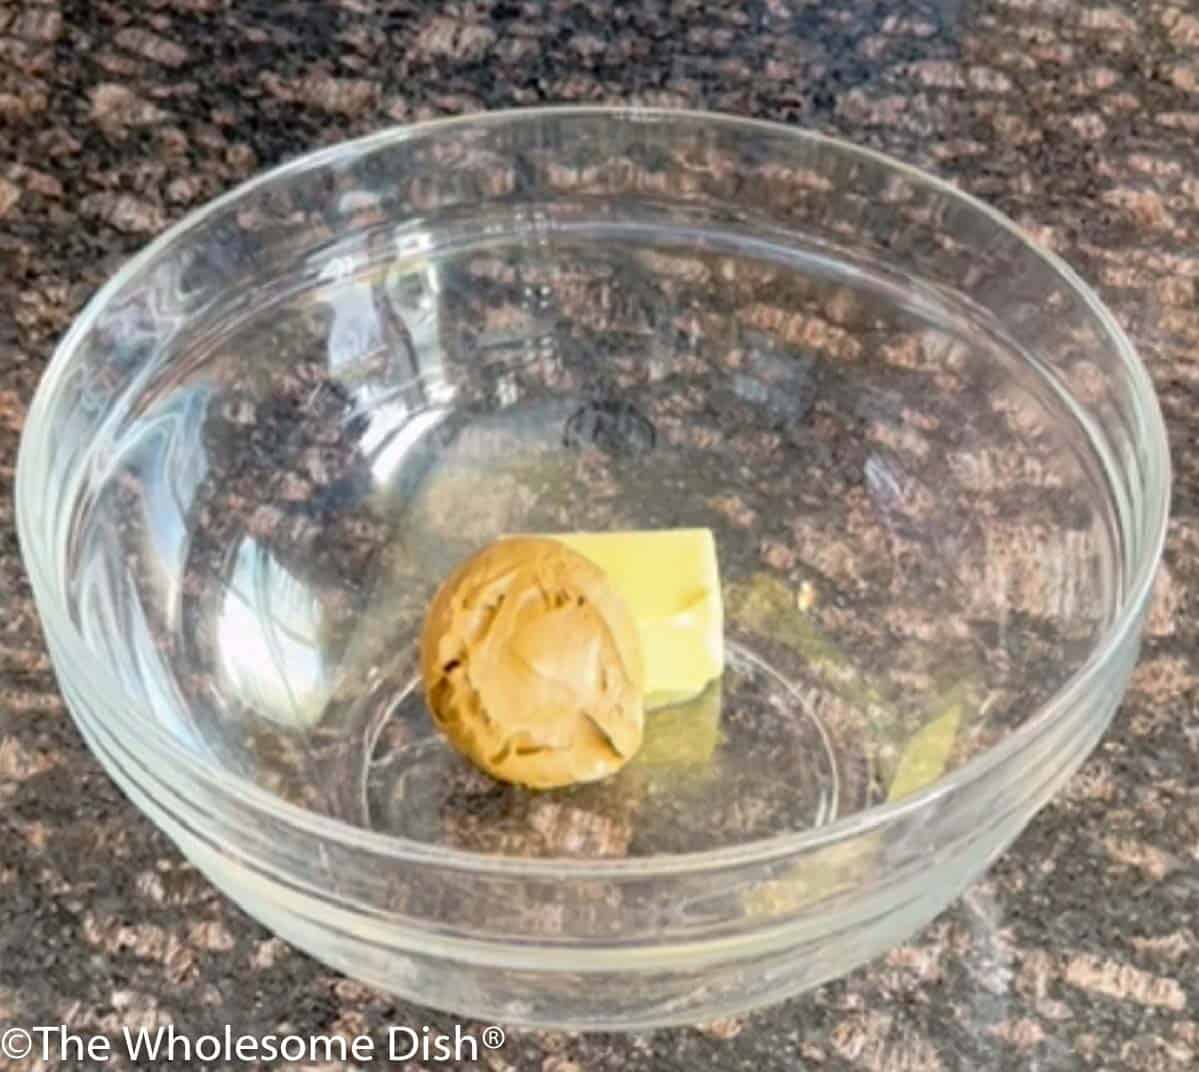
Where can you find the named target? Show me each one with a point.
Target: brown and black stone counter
(1078, 119)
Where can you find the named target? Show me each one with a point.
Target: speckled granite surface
(1078, 119)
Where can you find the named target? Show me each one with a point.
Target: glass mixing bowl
(935, 470)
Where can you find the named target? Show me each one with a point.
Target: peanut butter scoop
(532, 665)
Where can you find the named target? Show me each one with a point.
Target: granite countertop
(1078, 119)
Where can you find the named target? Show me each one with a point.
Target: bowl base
(747, 757)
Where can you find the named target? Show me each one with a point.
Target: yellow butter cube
(670, 582)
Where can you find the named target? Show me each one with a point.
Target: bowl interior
(323, 395)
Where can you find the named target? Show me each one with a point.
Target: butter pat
(669, 581)
(682, 739)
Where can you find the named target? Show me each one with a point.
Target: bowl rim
(1152, 440)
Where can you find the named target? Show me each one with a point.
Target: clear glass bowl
(936, 473)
